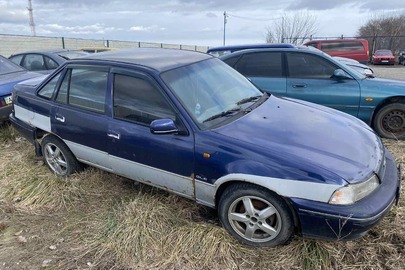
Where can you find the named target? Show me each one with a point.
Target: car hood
(312, 134)
(7, 81)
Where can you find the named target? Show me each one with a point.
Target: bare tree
(385, 32)
(293, 28)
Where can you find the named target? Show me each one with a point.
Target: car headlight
(353, 192)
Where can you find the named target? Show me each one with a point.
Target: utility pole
(32, 24)
(225, 21)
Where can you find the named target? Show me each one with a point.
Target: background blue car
(188, 123)
(309, 74)
(10, 74)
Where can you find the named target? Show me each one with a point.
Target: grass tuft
(8, 133)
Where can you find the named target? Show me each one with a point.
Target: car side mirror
(163, 126)
(341, 74)
(368, 73)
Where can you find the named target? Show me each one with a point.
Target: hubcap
(254, 219)
(55, 159)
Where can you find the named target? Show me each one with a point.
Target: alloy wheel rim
(254, 219)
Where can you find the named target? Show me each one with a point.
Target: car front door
(310, 78)
(163, 160)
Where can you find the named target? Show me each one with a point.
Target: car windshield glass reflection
(211, 90)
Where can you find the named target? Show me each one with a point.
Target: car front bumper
(345, 222)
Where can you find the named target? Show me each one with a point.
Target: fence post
(63, 43)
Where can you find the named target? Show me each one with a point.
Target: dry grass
(102, 221)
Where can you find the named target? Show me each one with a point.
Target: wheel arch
(382, 104)
(39, 135)
(221, 189)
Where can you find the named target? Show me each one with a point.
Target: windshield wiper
(222, 114)
(246, 100)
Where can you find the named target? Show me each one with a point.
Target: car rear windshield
(6, 66)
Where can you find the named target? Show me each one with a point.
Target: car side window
(34, 62)
(85, 88)
(49, 88)
(17, 59)
(50, 64)
(263, 64)
(138, 100)
(309, 66)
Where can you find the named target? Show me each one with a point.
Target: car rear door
(310, 78)
(164, 160)
(264, 69)
(78, 115)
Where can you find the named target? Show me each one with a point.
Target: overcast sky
(192, 22)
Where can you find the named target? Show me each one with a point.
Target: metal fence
(11, 44)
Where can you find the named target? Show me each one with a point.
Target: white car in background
(356, 65)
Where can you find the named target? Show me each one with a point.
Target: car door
(264, 69)
(164, 160)
(310, 78)
(78, 116)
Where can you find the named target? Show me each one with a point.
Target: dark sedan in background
(45, 61)
(10, 74)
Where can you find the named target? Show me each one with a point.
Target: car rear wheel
(58, 157)
(255, 216)
(390, 121)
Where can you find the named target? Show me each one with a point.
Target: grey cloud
(367, 5)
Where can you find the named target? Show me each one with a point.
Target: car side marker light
(206, 155)
(368, 99)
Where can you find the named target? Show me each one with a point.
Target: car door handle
(113, 135)
(299, 85)
(60, 118)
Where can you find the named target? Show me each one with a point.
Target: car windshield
(211, 91)
(6, 66)
(383, 53)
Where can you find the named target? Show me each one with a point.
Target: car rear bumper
(337, 222)
(26, 130)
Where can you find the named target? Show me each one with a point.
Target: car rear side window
(84, 88)
(50, 64)
(137, 100)
(342, 46)
(263, 64)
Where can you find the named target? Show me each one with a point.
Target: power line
(252, 19)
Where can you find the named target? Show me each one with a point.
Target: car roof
(155, 58)
(250, 46)
(46, 51)
(290, 49)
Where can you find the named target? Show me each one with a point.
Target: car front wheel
(390, 121)
(255, 216)
(58, 157)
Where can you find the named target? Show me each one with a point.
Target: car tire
(267, 223)
(390, 121)
(58, 157)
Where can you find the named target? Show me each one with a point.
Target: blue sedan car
(10, 74)
(188, 123)
(309, 74)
